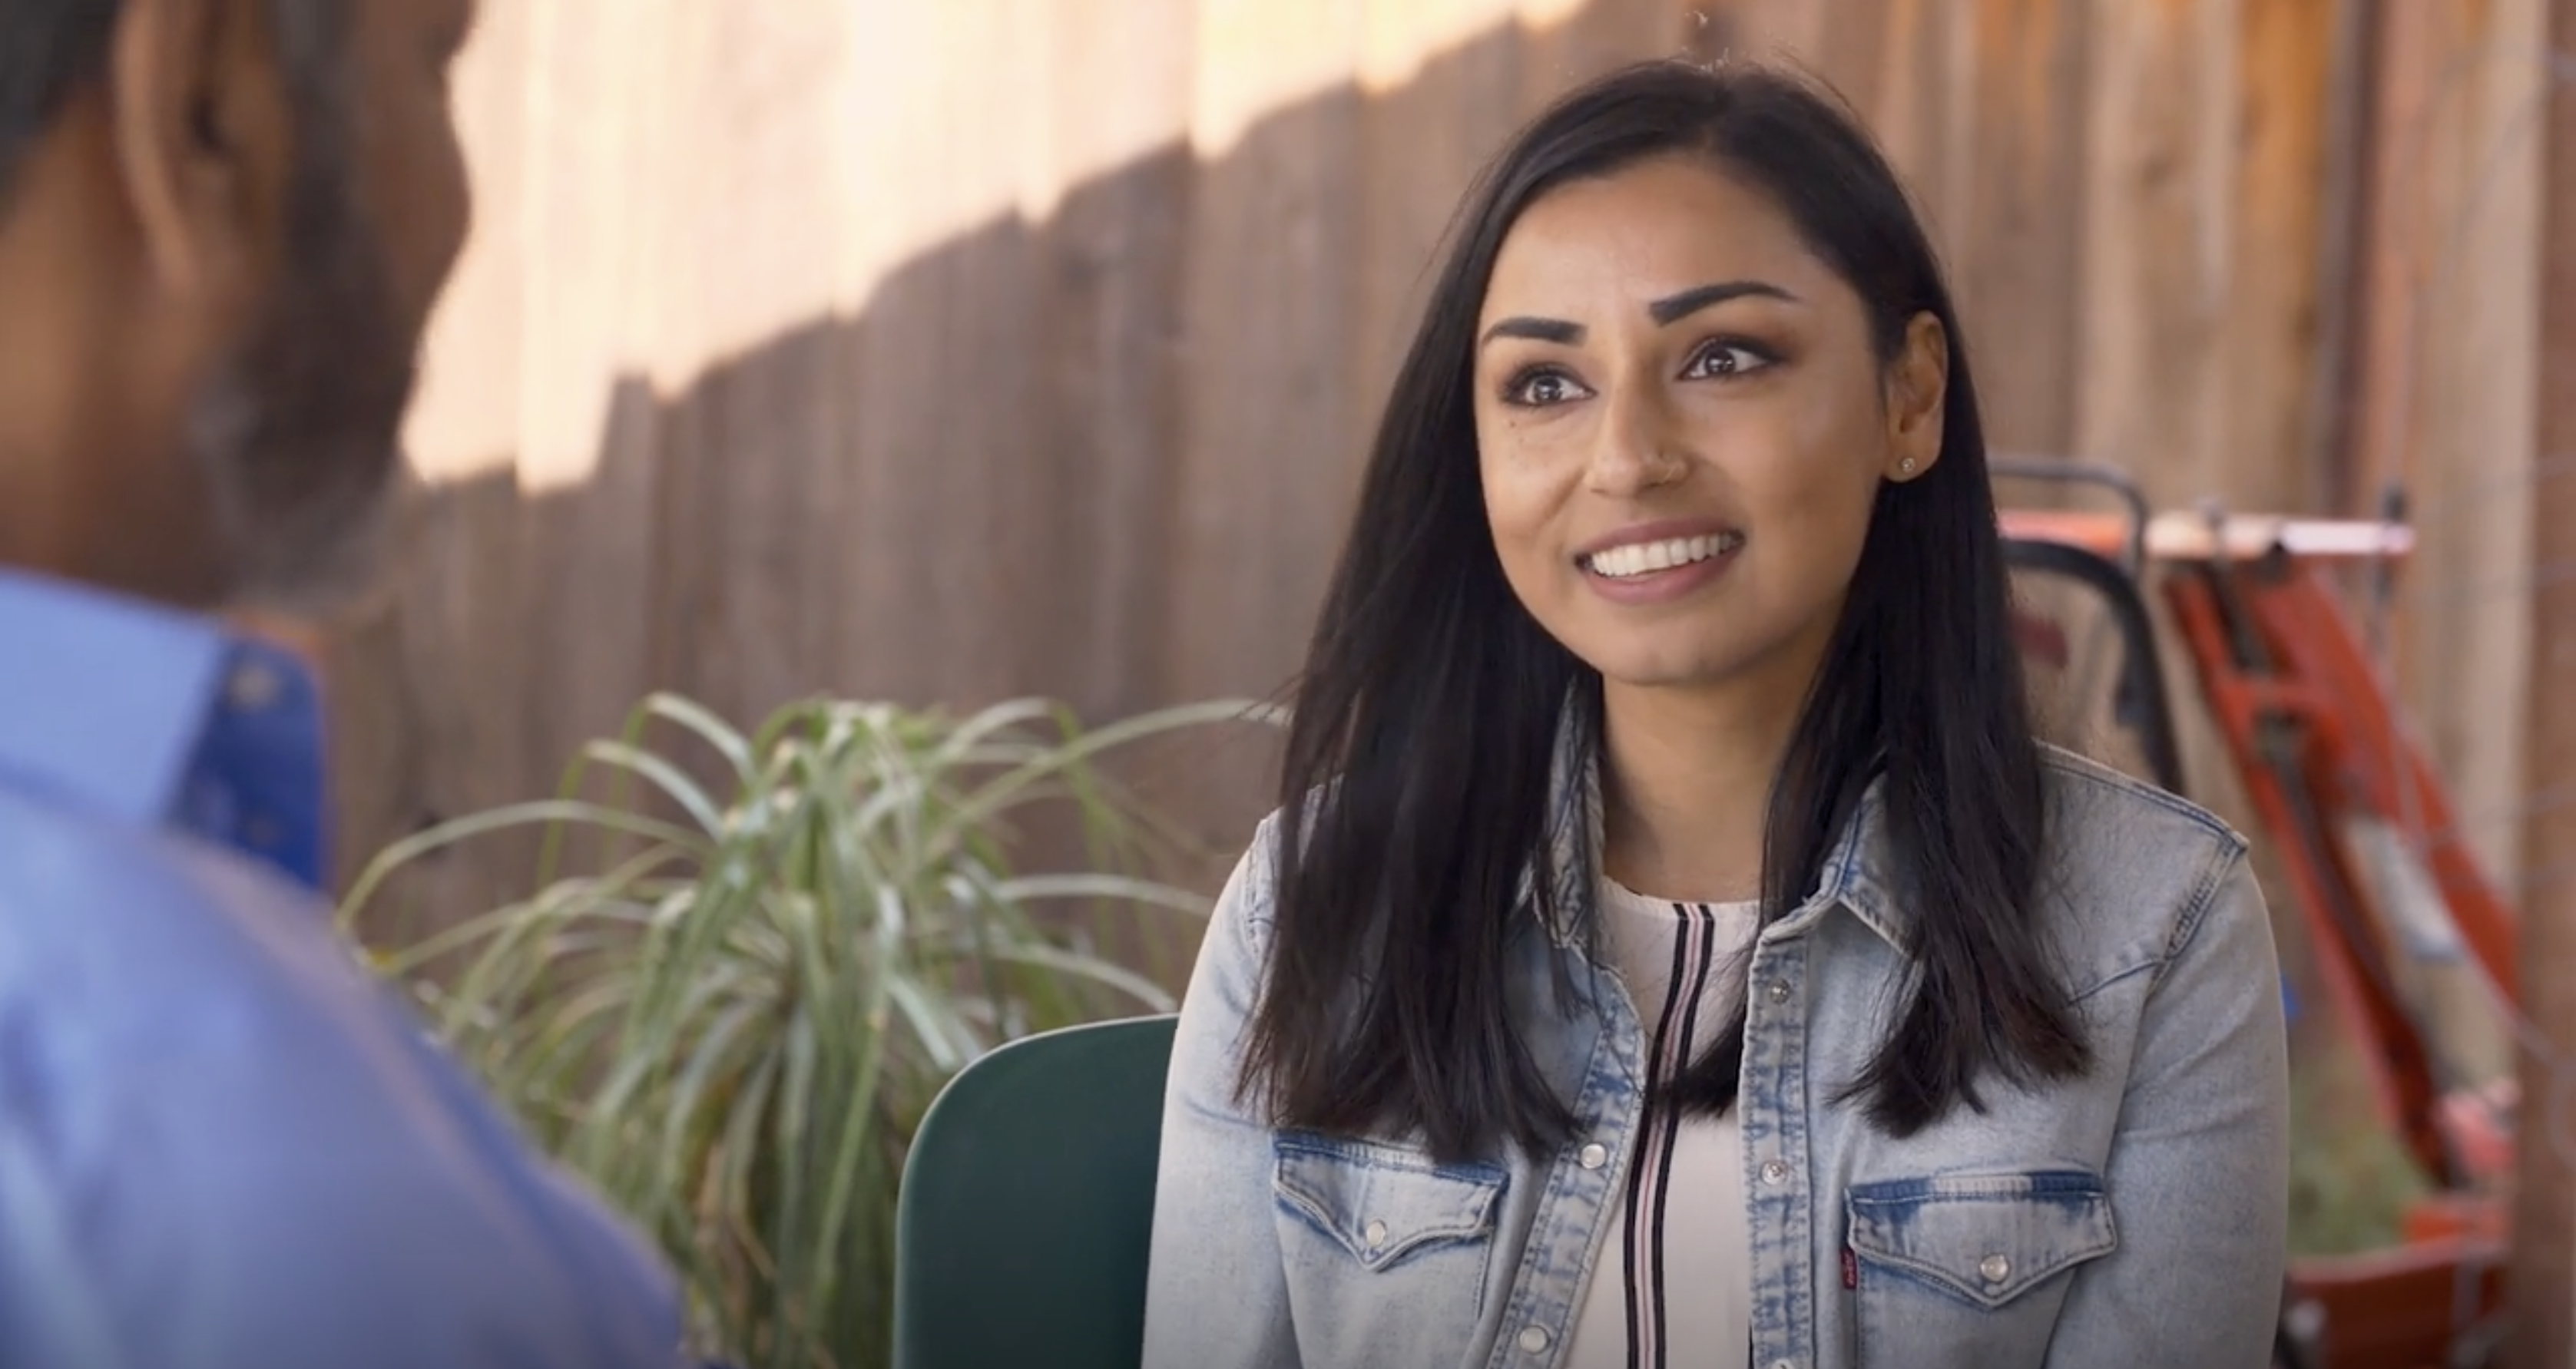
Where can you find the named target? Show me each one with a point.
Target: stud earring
(1905, 467)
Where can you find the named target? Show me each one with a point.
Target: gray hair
(48, 49)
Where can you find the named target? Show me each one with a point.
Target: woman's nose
(1637, 446)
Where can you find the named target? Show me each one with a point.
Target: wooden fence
(943, 352)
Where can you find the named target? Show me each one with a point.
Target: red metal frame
(2314, 685)
(2316, 741)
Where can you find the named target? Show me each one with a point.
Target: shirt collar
(144, 715)
(1855, 874)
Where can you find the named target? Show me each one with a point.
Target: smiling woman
(1673, 944)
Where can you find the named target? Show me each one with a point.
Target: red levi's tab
(1851, 1268)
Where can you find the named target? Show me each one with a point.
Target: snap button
(1535, 1339)
(1774, 1172)
(1779, 991)
(251, 689)
(1594, 1156)
(1376, 1234)
(1996, 1268)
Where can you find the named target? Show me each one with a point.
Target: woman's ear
(1918, 388)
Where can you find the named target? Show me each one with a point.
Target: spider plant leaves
(749, 960)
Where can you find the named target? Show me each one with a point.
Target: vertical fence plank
(2542, 1286)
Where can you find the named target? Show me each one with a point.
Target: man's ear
(202, 140)
(1918, 390)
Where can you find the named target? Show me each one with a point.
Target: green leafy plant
(732, 1020)
(2351, 1180)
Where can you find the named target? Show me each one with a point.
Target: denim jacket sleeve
(2202, 1148)
(1217, 1293)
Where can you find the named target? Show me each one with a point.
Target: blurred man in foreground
(222, 226)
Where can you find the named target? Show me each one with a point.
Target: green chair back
(1027, 1207)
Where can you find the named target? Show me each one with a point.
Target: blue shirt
(223, 1144)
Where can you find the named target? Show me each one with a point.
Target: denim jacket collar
(1856, 875)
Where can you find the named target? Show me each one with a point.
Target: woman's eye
(1726, 359)
(1540, 389)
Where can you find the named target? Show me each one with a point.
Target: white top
(1674, 1272)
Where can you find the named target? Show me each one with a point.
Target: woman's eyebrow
(1675, 307)
(1554, 330)
(1666, 311)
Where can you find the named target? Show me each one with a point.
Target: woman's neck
(1686, 783)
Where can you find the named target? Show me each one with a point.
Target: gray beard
(297, 436)
(299, 547)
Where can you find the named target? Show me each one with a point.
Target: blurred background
(946, 353)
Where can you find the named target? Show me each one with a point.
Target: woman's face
(1682, 426)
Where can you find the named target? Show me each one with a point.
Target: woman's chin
(1668, 671)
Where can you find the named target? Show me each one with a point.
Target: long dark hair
(1427, 715)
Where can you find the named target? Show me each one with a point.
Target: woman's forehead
(1645, 233)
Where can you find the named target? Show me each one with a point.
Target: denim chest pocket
(1970, 1269)
(1386, 1251)
(1381, 1204)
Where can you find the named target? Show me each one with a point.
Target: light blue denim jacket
(2135, 1217)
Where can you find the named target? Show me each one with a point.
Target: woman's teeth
(1645, 558)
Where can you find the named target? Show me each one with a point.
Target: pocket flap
(1986, 1238)
(1382, 1203)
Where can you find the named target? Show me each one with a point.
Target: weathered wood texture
(944, 352)
(2444, 402)
(2543, 1287)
